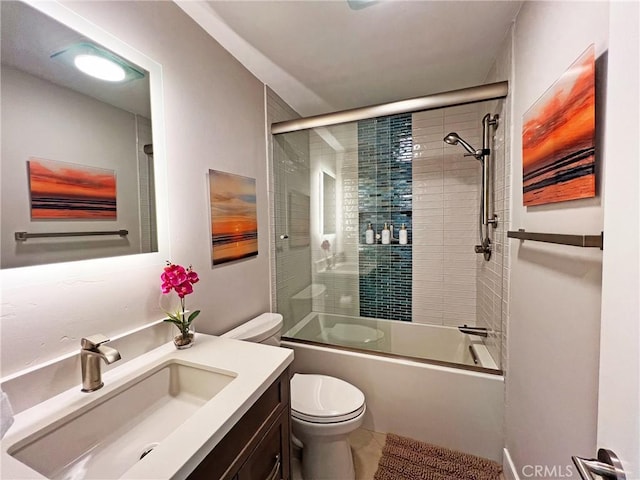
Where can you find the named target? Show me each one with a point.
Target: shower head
(454, 139)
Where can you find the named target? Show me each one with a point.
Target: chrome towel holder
(588, 241)
(24, 236)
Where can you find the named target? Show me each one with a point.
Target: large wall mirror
(328, 203)
(80, 161)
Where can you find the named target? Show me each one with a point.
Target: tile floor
(367, 450)
(366, 446)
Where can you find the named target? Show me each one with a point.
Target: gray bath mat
(407, 459)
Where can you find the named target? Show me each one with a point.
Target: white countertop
(255, 365)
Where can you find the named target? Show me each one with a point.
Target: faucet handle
(93, 341)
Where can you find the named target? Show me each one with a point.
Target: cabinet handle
(273, 475)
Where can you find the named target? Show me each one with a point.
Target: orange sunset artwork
(558, 138)
(66, 191)
(234, 220)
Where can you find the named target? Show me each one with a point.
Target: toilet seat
(324, 399)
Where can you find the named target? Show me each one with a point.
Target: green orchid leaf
(178, 323)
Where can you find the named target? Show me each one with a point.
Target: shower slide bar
(24, 236)
(590, 241)
(490, 91)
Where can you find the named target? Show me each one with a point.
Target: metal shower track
(490, 91)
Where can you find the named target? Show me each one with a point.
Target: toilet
(324, 409)
(310, 298)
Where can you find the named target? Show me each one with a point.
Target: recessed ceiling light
(98, 63)
(99, 67)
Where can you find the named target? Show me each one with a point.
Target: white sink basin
(106, 438)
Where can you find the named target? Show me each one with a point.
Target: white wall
(43, 120)
(214, 118)
(553, 343)
(619, 389)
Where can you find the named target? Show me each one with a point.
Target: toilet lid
(324, 399)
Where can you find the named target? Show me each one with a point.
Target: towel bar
(24, 236)
(590, 241)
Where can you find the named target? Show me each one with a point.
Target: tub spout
(479, 331)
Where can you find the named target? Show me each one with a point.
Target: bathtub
(436, 344)
(435, 401)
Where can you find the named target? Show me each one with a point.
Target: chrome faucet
(93, 349)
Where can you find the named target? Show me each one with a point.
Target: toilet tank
(266, 328)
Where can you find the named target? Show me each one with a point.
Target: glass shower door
(291, 197)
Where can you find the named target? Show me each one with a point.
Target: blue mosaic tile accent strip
(385, 152)
(385, 281)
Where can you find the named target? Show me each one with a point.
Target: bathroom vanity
(258, 446)
(217, 410)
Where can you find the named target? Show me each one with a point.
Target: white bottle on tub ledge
(386, 235)
(368, 235)
(403, 235)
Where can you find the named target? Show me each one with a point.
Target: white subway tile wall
(493, 279)
(489, 274)
(446, 195)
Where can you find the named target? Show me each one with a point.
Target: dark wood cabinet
(258, 447)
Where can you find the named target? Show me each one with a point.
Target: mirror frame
(56, 272)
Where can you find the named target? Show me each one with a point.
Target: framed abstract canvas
(558, 138)
(234, 219)
(66, 191)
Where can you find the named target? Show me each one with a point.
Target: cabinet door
(256, 443)
(270, 460)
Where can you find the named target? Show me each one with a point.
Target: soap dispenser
(386, 235)
(368, 235)
(403, 235)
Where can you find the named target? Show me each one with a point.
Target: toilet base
(326, 453)
(328, 458)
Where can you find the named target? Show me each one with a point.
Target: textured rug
(407, 459)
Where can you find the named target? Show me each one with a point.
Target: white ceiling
(323, 56)
(29, 37)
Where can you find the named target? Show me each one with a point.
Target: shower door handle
(607, 466)
(284, 236)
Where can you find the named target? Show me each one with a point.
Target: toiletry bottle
(391, 237)
(368, 235)
(403, 235)
(386, 235)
